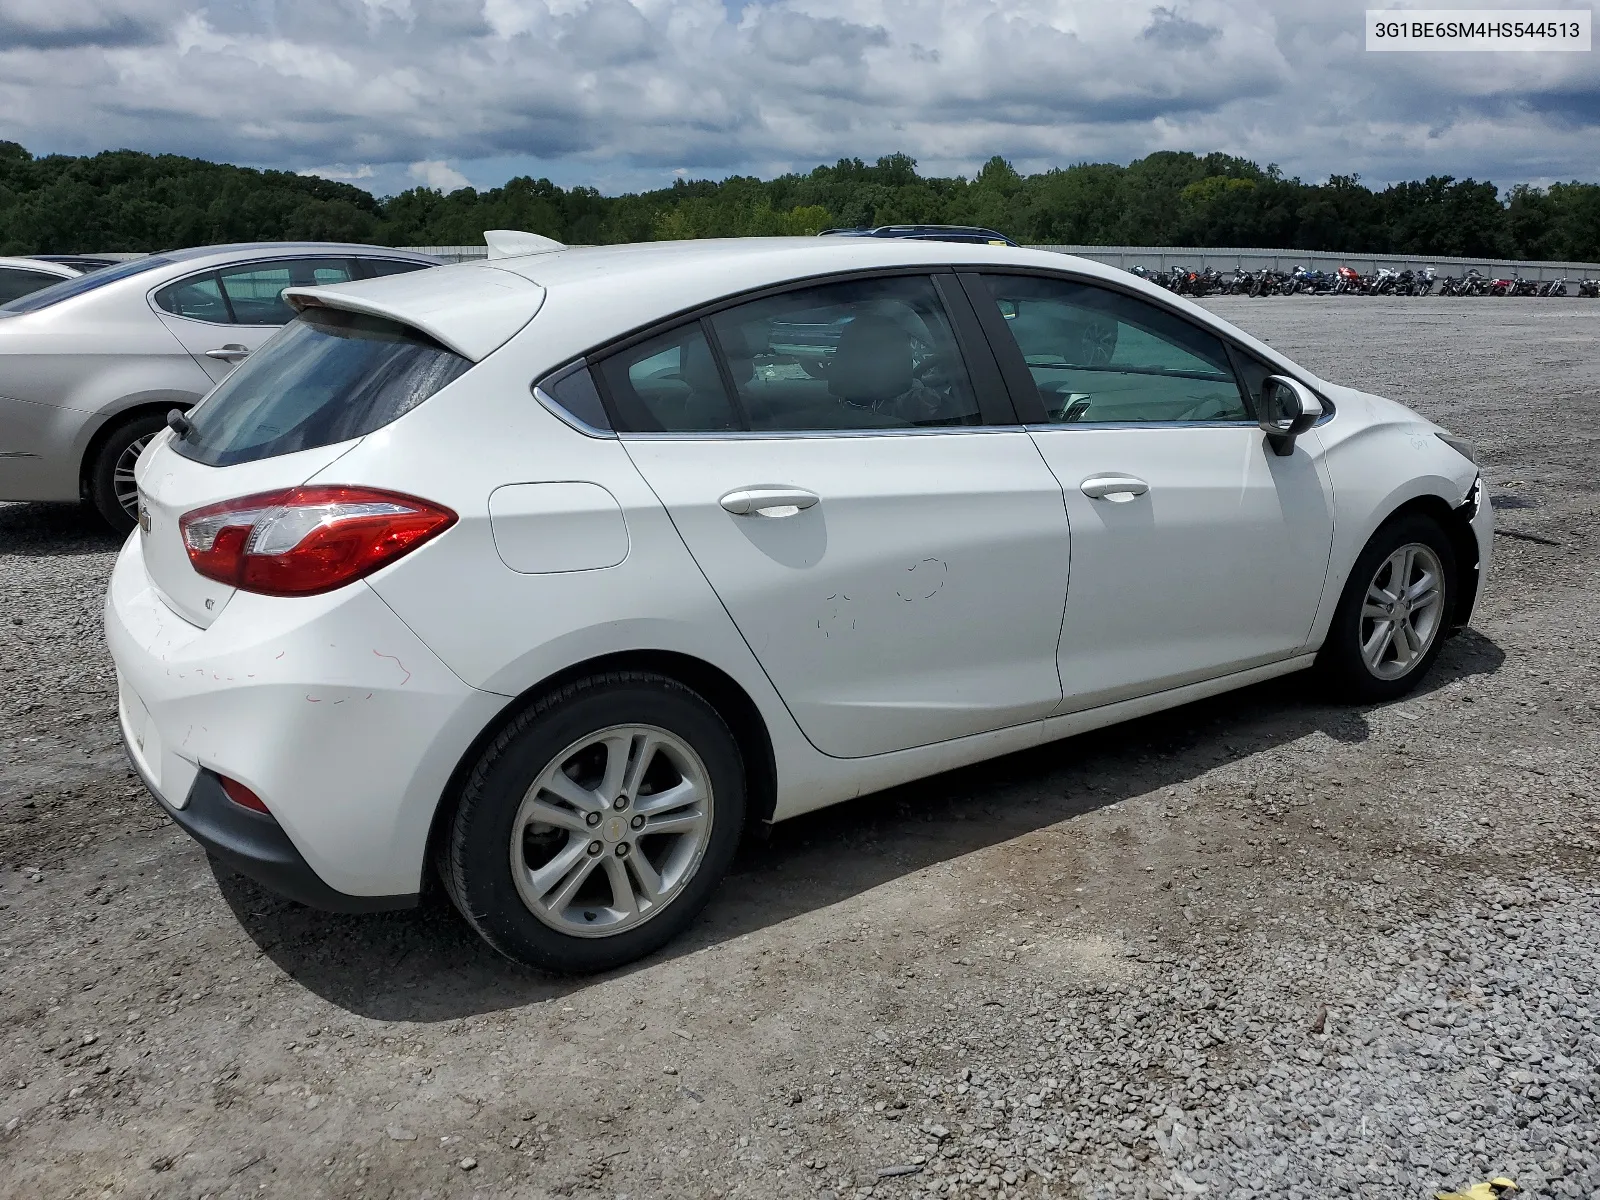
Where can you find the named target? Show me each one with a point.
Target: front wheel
(1392, 617)
(597, 825)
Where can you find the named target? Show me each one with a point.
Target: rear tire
(110, 475)
(549, 854)
(1391, 621)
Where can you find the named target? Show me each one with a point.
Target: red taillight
(243, 796)
(304, 540)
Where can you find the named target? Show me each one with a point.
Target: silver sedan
(90, 366)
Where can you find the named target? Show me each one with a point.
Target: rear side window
(251, 294)
(199, 298)
(327, 377)
(68, 288)
(15, 282)
(255, 291)
(372, 268)
(670, 384)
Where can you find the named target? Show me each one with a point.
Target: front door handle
(229, 353)
(1118, 489)
(768, 501)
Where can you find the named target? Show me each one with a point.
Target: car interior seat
(873, 362)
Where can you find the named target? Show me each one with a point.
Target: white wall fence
(1159, 258)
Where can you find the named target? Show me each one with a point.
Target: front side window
(327, 377)
(1098, 355)
(859, 354)
(255, 290)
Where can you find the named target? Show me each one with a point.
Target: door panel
(920, 597)
(896, 562)
(217, 348)
(1217, 566)
(1196, 551)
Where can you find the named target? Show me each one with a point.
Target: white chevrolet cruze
(553, 572)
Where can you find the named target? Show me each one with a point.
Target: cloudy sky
(623, 94)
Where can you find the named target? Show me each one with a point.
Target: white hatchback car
(557, 570)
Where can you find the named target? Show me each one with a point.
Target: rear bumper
(327, 707)
(257, 847)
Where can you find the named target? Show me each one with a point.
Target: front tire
(1397, 604)
(595, 828)
(110, 476)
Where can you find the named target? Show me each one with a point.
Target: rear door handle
(768, 501)
(230, 353)
(1118, 489)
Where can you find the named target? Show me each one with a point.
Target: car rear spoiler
(472, 308)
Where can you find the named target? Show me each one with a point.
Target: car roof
(42, 265)
(135, 276)
(598, 292)
(232, 250)
(587, 295)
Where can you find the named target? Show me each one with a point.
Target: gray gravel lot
(1261, 946)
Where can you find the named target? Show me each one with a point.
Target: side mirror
(1288, 409)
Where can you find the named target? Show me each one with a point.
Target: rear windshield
(328, 376)
(79, 284)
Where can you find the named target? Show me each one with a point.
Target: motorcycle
(1589, 288)
(1315, 282)
(1348, 279)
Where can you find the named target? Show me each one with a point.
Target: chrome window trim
(757, 435)
(1049, 426)
(565, 417)
(555, 407)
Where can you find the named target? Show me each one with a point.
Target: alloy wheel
(1402, 611)
(612, 830)
(122, 483)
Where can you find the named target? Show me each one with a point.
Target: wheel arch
(110, 421)
(733, 704)
(1456, 521)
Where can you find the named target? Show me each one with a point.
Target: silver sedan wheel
(1403, 609)
(122, 484)
(612, 830)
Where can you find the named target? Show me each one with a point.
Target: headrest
(872, 362)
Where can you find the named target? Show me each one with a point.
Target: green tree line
(127, 200)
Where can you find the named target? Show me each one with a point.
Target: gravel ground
(1260, 946)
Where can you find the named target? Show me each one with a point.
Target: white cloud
(435, 173)
(635, 88)
(341, 172)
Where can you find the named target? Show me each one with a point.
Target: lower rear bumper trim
(257, 847)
